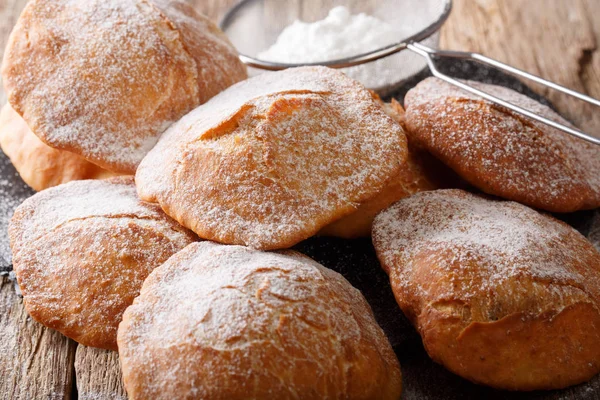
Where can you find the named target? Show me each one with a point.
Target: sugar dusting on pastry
(510, 239)
(81, 252)
(271, 160)
(502, 152)
(252, 324)
(39, 165)
(491, 285)
(113, 76)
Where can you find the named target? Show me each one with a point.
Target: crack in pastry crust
(271, 160)
(105, 78)
(81, 252)
(501, 294)
(253, 324)
(501, 152)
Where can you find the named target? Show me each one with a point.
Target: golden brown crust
(501, 295)
(420, 172)
(81, 252)
(501, 152)
(104, 78)
(270, 161)
(252, 325)
(39, 165)
(217, 62)
(409, 181)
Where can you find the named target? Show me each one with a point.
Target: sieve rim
(346, 62)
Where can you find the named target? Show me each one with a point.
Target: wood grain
(215, 9)
(557, 40)
(98, 374)
(35, 362)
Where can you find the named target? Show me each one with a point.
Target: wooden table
(557, 39)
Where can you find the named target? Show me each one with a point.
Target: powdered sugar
(12, 192)
(501, 152)
(271, 160)
(54, 207)
(495, 289)
(251, 323)
(81, 252)
(505, 239)
(341, 35)
(104, 78)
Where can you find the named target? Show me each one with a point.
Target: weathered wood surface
(98, 374)
(557, 39)
(35, 362)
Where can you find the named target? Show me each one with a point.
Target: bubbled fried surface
(81, 252)
(501, 294)
(501, 152)
(273, 159)
(105, 78)
(253, 325)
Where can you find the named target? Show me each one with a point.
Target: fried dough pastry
(501, 295)
(252, 325)
(270, 161)
(501, 152)
(81, 252)
(420, 172)
(104, 78)
(39, 165)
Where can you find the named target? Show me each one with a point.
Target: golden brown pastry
(501, 294)
(420, 172)
(39, 165)
(104, 78)
(270, 161)
(501, 152)
(252, 325)
(81, 252)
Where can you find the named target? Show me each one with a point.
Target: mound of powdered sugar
(341, 35)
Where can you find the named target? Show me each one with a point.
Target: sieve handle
(429, 54)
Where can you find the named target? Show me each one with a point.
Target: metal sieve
(425, 17)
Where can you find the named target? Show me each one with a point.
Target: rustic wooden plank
(214, 9)
(557, 40)
(98, 374)
(35, 362)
